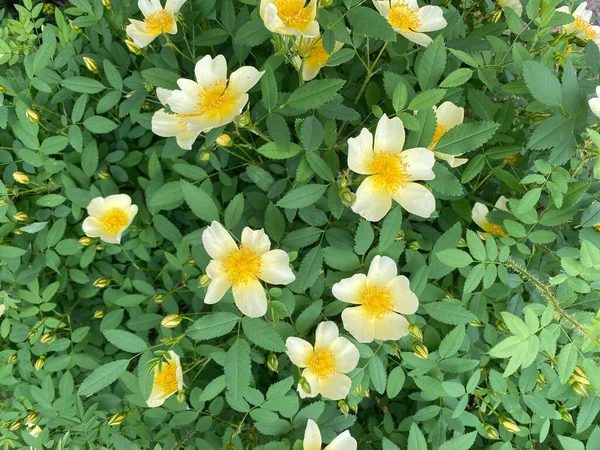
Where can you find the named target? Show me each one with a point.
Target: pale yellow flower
(167, 381)
(314, 57)
(212, 100)
(241, 268)
(290, 17)
(582, 25)
(2, 309)
(326, 364)
(166, 124)
(447, 116)
(392, 172)
(312, 439)
(410, 21)
(157, 20)
(378, 299)
(594, 102)
(109, 217)
(479, 216)
(515, 5)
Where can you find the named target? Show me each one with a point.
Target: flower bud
(358, 390)
(100, 247)
(509, 424)
(305, 385)
(46, 337)
(224, 140)
(2, 90)
(102, 282)
(16, 425)
(342, 181)
(597, 227)
(368, 393)
(40, 363)
(243, 120)
(99, 314)
(21, 178)
(104, 175)
(566, 415)
(31, 418)
(581, 376)
(580, 390)
(326, 3)
(462, 243)
(541, 379)
(204, 156)
(107, 4)
(512, 159)
(133, 47)
(117, 419)
(181, 397)
(399, 236)
(230, 446)
(344, 408)
(172, 320)
(191, 261)
(21, 217)
(414, 245)
(347, 197)
(272, 362)
(85, 241)
(32, 115)
(415, 331)
(12, 358)
(3, 202)
(76, 28)
(91, 65)
(420, 350)
(18, 232)
(148, 87)
(491, 432)
(159, 298)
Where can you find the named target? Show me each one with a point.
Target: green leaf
(302, 196)
(83, 85)
(103, 376)
(273, 151)
(199, 201)
(390, 228)
(341, 259)
(311, 134)
(370, 23)
(251, 34)
(212, 326)
(214, 388)
(263, 334)
(427, 99)
(268, 85)
(416, 440)
(125, 340)
(463, 442)
(395, 381)
(9, 252)
(452, 342)
(432, 64)
(457, 78)
(99, 124)
(308, 318)
(454, 258)
(238, 369)
(161, 78)
(449, 311)
(309, 270)
(378, 374)
(314, 93)
(549, 132)
(364, 237)
(233, 212)
(466, 137)
(542, 83)
(567, 360)
(320, 166)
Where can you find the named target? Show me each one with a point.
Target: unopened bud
(342, 182)
(100, 247)
(40, 363)
(204, 156)
(501, 326)
(414, 245)
(2, 90)
(159, 298)
(566, 415)
(491, 432)
(203, 280)
(3, 202)
(581, 376)
(148, 87)
(347, 197)
(12, 358)
(31, 418)
(224, 140)
(512, 159)
(16, 425)
(580, 390)
(344, 408)
(243, 120)
(541, 379)
(32, 115)
(326, 3)
(181, 397)
(597, 227)
(462, 243)
(172, 320)
(91, 65)
(420, 350)
(76, 28)
(104, 175)
(230, 446)
(415, 331)
(85, 241)
(18, 231)
(191, 261)
(399, 236)
(272, 362)
(21, 217)
(117, 419)
(358, 390)
(21, 178)
(305, 385)
(46, 337)
(99, 314)
(509, 424)
(133, 47)
(101, 283)
(107, 4)
(368, 393)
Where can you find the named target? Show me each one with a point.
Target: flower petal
(209, 71)
(173, 6)
(243, 79)
(418, 38)
(502, 203)
(403, 299)
(147, 7)
(299, 351)
(217, 241)
(389, 135)
(92, 227)
(346, 355)
(595, 105)
(97, 207)
(431, 18)
(372, 202)
(326, 333)
(343, 442)
(479, 215)
(360, 152)
(256, 240)
(335, 387)
(275, 268)
(139, 35)
(313, 381)
(448, 115)
(359, 324)
(250, 298)
(416, 199)
(219, 285)
(391, 327)
(419, 163)
(382, 271)
(348, 289)
(312, 436)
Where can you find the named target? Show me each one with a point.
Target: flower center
(402, 16)
(377, 301)
(216, 99)
(439, 132)
(318, 53)
(389, 170)
(166, 378)
(293, 13)
(242, 266)
(495, 230)
(159, 22)
(584, 26)
(597, 227)
(322, 364)
(114, 220)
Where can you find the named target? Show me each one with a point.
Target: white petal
(243, 79)
(97, 207)
(348, 289)
(313, 381)
(2, 309)
(326, 333)
(452, 160)
(597, 91)
(167, 125)
(219, 285)
(310, 69)
(186, 139)
(418, 38)
(583, 12)
(209, 71)
(185, 102)
(449, 115)
(268, 13)
(217, 242)
(206, 122)
(163, 95)
(173, 6)
(431, 19)
(92, 228)
(346, 355)
(250, 298)
(312, 29)
(403, 299)
(416, 199)
(383, 6)
(256, 240)
(343, 442)
(372, 202)
(382, 271)
(275, 268)
(360, 152)
(174, 357)
(359, 324)
(312, 436)
(335, 387)
(299, 351)
(479, 215)
(118, 201)
(391, 327)
(389, 135)
(502, 203)
(147, 7)
(419, 163)
(595, 105)
(141, 38)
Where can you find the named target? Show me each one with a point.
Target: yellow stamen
(242, 266)
(322, 364)
(216, 100)
(293, 13)
(159, 22)
(317, 54)
(495, 229)
(376, 301)
(389, 170)
(440, 130)
(166, 377)
(402, 16)
(114, 220)
(582, 25)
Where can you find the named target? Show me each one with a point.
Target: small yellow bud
(420, 350)
(100, 247)
(580, 390)
(17, 231)
(326, 3)
(21, 217)
(132, 47)
(243, 120)
(104, 175)
(512, 159)
(3, 202)
(491, 432)
(509, 424)
(172, 320)
(462, 243)
(101, 283)
(181, 397)
(107, 4)
(414, 245)
(203, 280)
(99, 314)
(40, 363)
(46, 337)
(272, 362)
(117, 419)
(347, 197)
(91, 65)
(344, 408)
(541, 379)
(304, 385)
(583, 379)
(159, 298)
(224, 140)
(85, 241)
(16, 425)
(368, 393)
(597, 227)
(76, 28)
(2, 90)
(399, 236)
(148, 87)
(204, 156)
(358, 390)
(415, 331)
(12, 358)
(566, 415)
(21, 178)
(191, 261)
(342, 181)
(32, 115)
(31, 418)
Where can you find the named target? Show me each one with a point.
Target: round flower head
(168, 380)
(447, 116)
(212, 100)
(410, 21)
(241, 268)
(314, 57)
(380, 297)
(290, 17)
(582, 24)
(326, 364)
(172, 125)
(594, 102)
(109, 217)
(157, 20)
(312, 439)
(515, 5)
(479, 216)
(392, 172)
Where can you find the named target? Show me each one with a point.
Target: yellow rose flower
(109, 217)
(167, 380)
